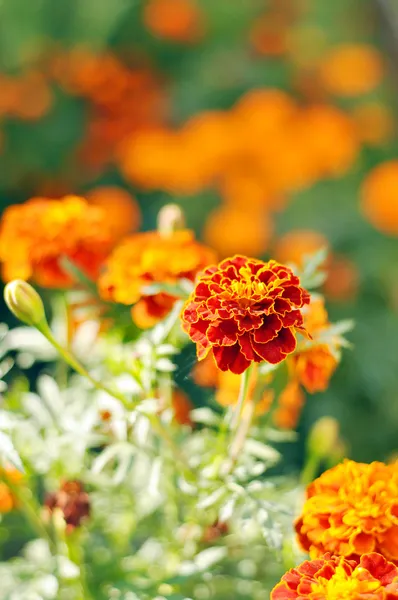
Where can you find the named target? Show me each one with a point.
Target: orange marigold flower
(229, 230)
(177, 20)
(342, 279)
(7, 499)
(290, 404)
(314, 368)
(206, 373)
(182, 407)
(148, 258)
(299, 244)
(375, 123)
(245, 311)
(35, 236)
(379, 201)
(122, 210)
(352, 69)
(336, 578)
(351, 510)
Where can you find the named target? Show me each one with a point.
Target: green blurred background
(56, 139)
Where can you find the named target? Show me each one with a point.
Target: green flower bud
(324, 437)
(25, 303)
(170, 219)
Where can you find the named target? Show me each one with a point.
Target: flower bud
(25, 303)
(324, 437)
(170, 219)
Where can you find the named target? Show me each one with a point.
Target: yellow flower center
(343, 586)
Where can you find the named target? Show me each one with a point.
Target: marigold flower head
(379, 197)
(182, 407)
(350, 510)
(290, 404)
(298, 245)
(342, 279)
(375, 123)
(147, 258)
(7, 499)
(229, 230)
(122, 210)
(244, 310)
(176, 20)
(336, 578)
(352, 70)
(314, 367)
(35, 236)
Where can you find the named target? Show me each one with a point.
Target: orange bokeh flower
(230, 230)
(336, 578)
(7, 499)
(245, 311)
(298, 245)
(122, 210)
(351, 510)
(176, 20)
(374, 122)
(314, 366)
(228, 392)
(351, 69)
(342, 279)
(290, 404)
(36, 235)
(182, 407)
(149, 258)
(379, 197)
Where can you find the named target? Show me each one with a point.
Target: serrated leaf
(262, 451)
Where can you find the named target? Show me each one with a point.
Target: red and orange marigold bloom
(245, 311)
(149, 258)
(350, 510)
(35, 236)
(336, 578)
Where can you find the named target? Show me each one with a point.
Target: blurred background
(272, 123)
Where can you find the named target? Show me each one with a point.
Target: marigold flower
(35, 236)
(352, 69)
(122, 210)
(290, 404)
(73, 501)
(182, 407)
(379, 197)
(148, 258)
(298, 245)
(177, 20)
(336, 578)
(342, 279)
(245, 311)
(7, 499)
(351, 510)
(229, 230)
(374, 122)
(314, 366)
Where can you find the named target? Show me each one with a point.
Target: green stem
(310, 469)
(30, 512)
(76, 555)
(244, 388)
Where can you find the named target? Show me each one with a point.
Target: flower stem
(310, 469)
(244, 388)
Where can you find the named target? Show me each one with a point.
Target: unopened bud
(25, 303)
(324, 437)
(170, 219)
